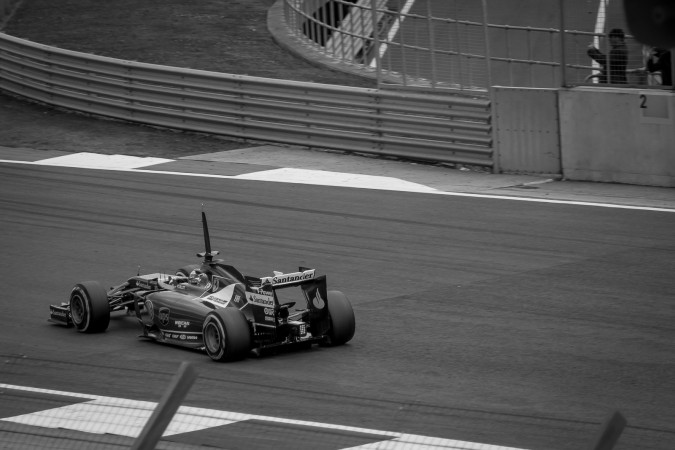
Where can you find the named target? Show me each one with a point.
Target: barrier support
(167, 407)
(610, 432)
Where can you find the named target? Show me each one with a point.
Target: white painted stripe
(97, 161)
(401, 187)
(125, 417)
(101, 417)
(327, 178)
(599, 29)
(600, 20)
(393, 30)
(558, 202)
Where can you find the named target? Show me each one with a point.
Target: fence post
(488, 54)
(376, 42)
(563, 50)
(167, 407)
(610, 432)
(432, 45)
(490, 90)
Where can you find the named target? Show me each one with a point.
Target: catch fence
(466, 45)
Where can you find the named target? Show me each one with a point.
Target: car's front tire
(89, 307)
(342, 320)
(226, 334)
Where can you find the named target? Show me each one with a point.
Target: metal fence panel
(588, 44)
(453, 44)
(412, 43)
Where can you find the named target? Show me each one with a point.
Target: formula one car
(212, 306)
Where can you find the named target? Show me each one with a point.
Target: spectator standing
(660, 61)
(613, 65)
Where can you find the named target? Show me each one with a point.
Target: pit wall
(587, 134)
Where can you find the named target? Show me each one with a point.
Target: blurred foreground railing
(51, 419)
(417, 125)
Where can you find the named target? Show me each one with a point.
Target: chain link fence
(599, 49)
(443, 44)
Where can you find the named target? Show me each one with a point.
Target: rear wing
(283, 280)
(314, 290)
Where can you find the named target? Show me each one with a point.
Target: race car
(213, 307)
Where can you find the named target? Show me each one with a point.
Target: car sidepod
(174, 318)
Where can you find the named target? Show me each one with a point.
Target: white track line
(312, 177)
(124, 417)
(97, 160)
(394, 30)
(599, 29)
(600, 21)
(327, 178)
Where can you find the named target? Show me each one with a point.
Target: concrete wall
(526, 130)
(598, 134)
(618, 135)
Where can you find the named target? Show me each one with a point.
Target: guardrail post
(490, 88)
(610, 432)
(376, 42)
(167, 407)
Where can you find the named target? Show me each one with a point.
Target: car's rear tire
(89, 307)
(226, 335)
(186, 270)
(342, 320)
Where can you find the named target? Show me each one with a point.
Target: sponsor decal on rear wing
(281, 279)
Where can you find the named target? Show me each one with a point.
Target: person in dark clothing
(660, 61)
(613, 65)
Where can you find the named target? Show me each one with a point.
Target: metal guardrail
(418, 125)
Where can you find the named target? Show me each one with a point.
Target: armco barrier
(427, 126)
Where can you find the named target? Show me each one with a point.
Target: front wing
(60, 314)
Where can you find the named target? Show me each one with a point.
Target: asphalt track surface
(486, 320)
(479, 318)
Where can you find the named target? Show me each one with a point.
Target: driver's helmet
(199, 278)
